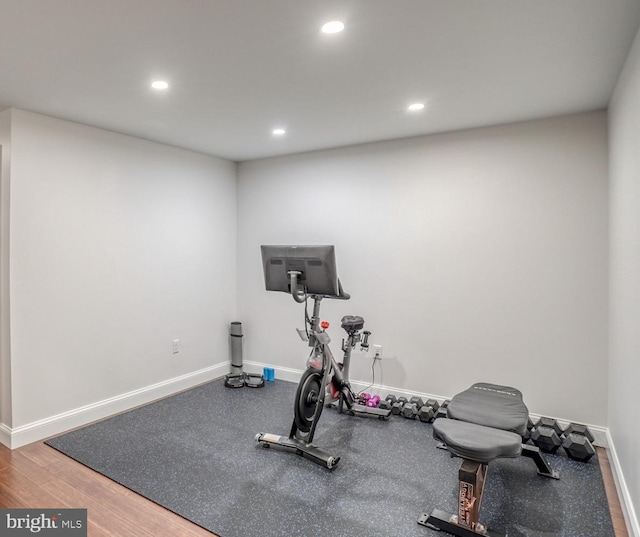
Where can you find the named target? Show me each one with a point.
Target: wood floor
(38, 476)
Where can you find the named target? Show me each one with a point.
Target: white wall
(473, 256)
(5, 347)
(118, 246)
(624, 360)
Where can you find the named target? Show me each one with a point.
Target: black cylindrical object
(235, 331)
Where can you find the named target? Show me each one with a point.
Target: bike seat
(352, 323)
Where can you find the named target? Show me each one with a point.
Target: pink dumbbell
(373, 401)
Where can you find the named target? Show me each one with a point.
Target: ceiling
(238, 69)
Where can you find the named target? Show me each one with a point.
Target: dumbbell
(578, 428)
(546, 435)
(442, 411)
(396, 407)
(426, 413)
(549, 422)
(546, 439)
(577, 442)
(369, 400)
(373, 401)
(388, 402)
(410, 411)
(433, 403)
(412, 407)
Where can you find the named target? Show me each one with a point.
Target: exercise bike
(309, 272)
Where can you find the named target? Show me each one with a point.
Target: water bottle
(315, 359)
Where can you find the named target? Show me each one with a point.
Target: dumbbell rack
(415, 408)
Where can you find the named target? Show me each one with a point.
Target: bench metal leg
(533, 452)
(471, 480)
(440, 520)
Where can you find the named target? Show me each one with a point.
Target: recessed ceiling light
(159, 84)
(278, 132)
(332, 27)
(415, 107)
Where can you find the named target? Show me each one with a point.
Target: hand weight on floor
(442, 411)
(546, 435)
(373, 401)
(410, 411)
(576, 439)
(369, 400)
(578, 442)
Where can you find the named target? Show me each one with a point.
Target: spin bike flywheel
(307, 399)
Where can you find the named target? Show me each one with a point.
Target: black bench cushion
(476, 442)
(492, 405)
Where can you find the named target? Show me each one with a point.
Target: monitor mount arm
(298, 294)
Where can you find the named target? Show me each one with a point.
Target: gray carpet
(195, 454)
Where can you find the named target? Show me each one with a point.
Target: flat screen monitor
(316, 265)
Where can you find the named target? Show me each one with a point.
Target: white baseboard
(293, 375)
(53, 425)
(626, 503)
(5, 435)
(281, 373)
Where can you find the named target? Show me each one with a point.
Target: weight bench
(484, 423)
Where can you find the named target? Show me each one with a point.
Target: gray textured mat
(195, 454)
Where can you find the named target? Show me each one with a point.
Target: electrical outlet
(377, 349)
(176, 346)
